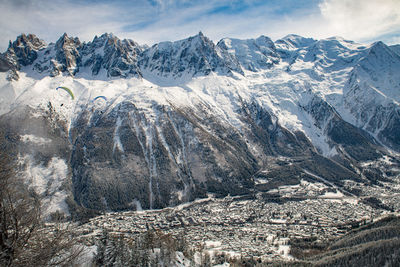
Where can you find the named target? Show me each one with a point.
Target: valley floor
(246, 227)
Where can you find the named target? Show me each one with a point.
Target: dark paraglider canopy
(100, 96)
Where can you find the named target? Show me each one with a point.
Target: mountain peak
(67, 55)
(199, 38)
(379, 46)
(108, 35)
(102, 40)
(30, 40)
(292, 36)
(66, 40)
(294, 41)
(297, 38)
(23, 51)
(264, 41)
(194, 55)
(378, 67)
(264, 38)
(380, 49)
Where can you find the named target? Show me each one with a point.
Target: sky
(152, 21)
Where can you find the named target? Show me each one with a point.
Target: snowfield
(278, 91)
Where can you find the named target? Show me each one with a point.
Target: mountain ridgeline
(186, 118)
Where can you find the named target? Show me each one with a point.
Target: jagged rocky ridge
(196, 55)
(290, 108)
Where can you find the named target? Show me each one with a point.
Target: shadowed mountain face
(182, 119)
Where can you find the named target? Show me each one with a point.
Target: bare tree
(24, 238)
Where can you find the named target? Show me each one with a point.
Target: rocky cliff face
(117, 57)
(182, 119)
(22, 52)
(69, 56)
(196, 55)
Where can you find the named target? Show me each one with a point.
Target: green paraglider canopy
(68, 91)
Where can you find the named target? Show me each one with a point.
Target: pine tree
(135, 255)
(121, 252)
(99, 258)
(110, 253)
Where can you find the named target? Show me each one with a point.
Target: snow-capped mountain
(182, 119)
(253, 54)
(194, 56)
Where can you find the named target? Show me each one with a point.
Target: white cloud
(361, 19)
(358, 20)
(393, 40)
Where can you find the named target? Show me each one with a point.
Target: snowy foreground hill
(180, 120)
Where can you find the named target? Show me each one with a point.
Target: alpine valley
(296, 120)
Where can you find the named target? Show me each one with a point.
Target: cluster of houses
(237, 226)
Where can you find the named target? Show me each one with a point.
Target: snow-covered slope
(372, 94)
(182, 119)
(253, 54)
(396, 48)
